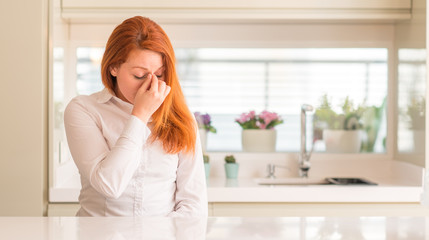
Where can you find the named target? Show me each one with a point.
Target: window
(411, 100)
(227, 69)
(225, 82)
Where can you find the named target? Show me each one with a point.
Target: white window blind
(225, 82)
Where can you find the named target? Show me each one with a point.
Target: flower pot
(203, 139)
(259, 140)
(231, 182)
(342, 141)
(231, 170)
(207, 169)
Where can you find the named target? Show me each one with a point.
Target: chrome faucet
(271, 170)
(304, 157)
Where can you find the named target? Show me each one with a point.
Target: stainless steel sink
(349, 181)
(291, 181)
(314, 181)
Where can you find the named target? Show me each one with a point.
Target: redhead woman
(136, 143)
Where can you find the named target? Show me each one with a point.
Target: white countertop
(71, 228)
(247, 190)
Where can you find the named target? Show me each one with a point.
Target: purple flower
(204, 121)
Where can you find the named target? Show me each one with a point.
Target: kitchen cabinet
(237, 10)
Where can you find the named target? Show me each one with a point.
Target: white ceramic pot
(203, 139)
(259, 140)
(342, 141)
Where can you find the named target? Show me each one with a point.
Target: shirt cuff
(136, 130)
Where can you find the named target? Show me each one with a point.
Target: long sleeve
(191, 189)
(109, 171)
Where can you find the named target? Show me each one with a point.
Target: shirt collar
(104, 96)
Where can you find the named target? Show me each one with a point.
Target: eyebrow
(146, 68)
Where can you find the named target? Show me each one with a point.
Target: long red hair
(173, 123)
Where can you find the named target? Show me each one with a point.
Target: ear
(114, 71)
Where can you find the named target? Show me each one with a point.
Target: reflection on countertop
(356, 228)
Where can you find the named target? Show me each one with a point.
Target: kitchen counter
(70, 228)
(396, 183)
(247, 190)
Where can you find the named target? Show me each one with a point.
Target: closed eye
(142, 77)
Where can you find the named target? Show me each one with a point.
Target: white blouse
(122, 173)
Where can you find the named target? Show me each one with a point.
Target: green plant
(206, 158)
(348, 119)
(371, 120)
(416, 112)
(361, 117)
(230, 159)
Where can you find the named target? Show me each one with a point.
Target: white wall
(23, 105)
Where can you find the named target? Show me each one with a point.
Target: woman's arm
(191, 189)
(108, 170)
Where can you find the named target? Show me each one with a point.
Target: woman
(136, 143)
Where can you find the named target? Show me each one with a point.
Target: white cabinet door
(236, 11)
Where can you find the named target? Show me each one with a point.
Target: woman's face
(133, 73)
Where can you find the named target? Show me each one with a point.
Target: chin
(131, 100)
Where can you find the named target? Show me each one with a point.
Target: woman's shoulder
(80, 101)
(86, 102)
(92, 99)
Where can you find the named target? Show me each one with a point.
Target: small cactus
(206, 158)
(230, 159)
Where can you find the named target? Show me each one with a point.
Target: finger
(154, 84)
(146, 84)
(161, 86)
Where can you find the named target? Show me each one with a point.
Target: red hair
(172, 124)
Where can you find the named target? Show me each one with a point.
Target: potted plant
(371, 120)
(258, 133)
(417, 114)
(231, 167)
(204, 125)
(206, 159)
(341, 132)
